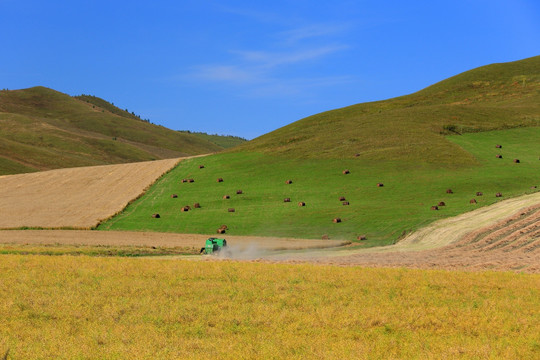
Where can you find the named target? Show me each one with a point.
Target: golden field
(67, 307)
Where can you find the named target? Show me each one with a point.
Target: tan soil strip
(75, 197)
(125, 238)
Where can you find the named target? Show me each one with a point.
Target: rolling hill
(412, 128)
(409, 144)
(42, 129)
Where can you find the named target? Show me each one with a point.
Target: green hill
(224, 141)
(409, 144)
(44, 129)
(412, 128)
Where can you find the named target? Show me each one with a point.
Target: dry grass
(79, 307)
(77, 197)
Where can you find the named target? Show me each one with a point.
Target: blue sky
(246, 68)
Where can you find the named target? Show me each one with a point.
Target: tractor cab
(213, 245)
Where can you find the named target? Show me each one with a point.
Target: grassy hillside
(382, 213)
(224, 141)
(411, 128)
(44, 129)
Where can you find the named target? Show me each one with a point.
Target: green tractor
(213, 245)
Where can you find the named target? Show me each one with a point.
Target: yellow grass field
(76, 197)
(68, 307)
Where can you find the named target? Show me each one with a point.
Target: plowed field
(75, 197)
(485, 239)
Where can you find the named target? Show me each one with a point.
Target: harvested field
(76, 197)
(126, 238)
(504, 236)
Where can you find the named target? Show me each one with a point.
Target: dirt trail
(126, 238)
(75, 197)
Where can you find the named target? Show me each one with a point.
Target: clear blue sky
(247, 67)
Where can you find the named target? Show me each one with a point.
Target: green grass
(410, 128)
(382, 213)
(223, 141)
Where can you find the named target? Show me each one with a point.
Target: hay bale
(498, 156)
(225, 197)
(449, 191)
(361, 237)
(498, 194)
(342, 198)
(231, 210)
(201, 166)
(498, 146)
(219, 180)
(184, 180)
(434, 207)
(190, 180)
(221, 231)
(345, 172)
(326, 237)
(380, 184)
(345, 203)
(441, 203)
(156, 216)
(174, 196)
(516, 161)
(472, 201)
(288, 182)
(287, 200)
(184, 209)
(479, 193)
(337, 220)
(301, 203)
(356, 155)
(196, 205)
(225, 227)
(238, 192)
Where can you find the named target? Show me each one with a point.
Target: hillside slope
(411, 128)
(43, 129)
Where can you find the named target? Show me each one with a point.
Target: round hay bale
(434, 207)
(174, 196)
(498, 156)
(225, 227)
(221, 231)
(498, 146)
(473, 201)
(345, 203)
(219, 180)
(449, 191)
(238, 192)
(516, 161)
(356, 155)
(156, 216)
(498, 194)
(184, 209)
(201, 166)
(479, 193)
(197, 205)
(337, 220)
(380, 184)
(361, 237)
(342, 198)
(441, 203)
(288, 182)
(190, 180)
(345, 172)
(231, 210)
(326, 237)
(184, 180)
(226, 197)
(287, 200)
(301, 203)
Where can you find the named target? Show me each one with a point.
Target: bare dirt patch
(76, 197)
(126, 238)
